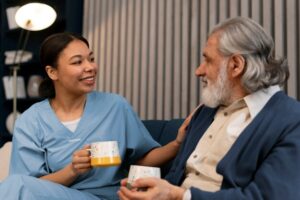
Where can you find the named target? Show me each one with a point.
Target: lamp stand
(28, 17)
(15, 92)
(15, 69)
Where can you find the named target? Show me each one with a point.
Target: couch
(163, 131)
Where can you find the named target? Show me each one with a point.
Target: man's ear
(237, 65)
(52, 72)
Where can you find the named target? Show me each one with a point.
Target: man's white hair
(247, 38)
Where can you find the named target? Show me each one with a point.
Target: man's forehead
(212, 41)
(211, 45)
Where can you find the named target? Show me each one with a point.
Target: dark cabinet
(69, 19)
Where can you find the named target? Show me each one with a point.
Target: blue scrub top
(42, 144)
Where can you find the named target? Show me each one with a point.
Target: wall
(147, 50)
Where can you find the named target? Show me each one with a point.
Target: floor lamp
(30, 17)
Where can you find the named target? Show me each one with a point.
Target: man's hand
(157, 189)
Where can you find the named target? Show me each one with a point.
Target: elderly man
(244, 142)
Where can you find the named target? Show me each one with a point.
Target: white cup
(137, 171)
(105, 153)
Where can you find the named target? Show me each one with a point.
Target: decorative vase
(33, 85)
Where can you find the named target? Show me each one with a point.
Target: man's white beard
(218, 93)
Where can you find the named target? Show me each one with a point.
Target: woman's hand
(157, 189)
(163, 154)
(80, 164)
(182, 130)
(81, 161)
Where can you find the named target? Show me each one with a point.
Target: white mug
(105, 153)
(137, 171)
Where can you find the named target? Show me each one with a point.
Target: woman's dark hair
(50, 51)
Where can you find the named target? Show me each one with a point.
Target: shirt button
(197, 173)
(195, 156)
(210, 136)
(225, 113)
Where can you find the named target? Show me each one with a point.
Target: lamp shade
(35, 16)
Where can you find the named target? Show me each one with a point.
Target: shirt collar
(257, 100)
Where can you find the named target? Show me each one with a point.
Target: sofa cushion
(155, 128)
(163, 131)
(170, 131)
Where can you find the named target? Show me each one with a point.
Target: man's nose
(199, 71)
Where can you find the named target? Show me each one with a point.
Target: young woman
(50, 159)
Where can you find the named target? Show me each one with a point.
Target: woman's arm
(161, 155)
(80, 164)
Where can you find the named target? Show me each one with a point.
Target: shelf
(29, 63)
